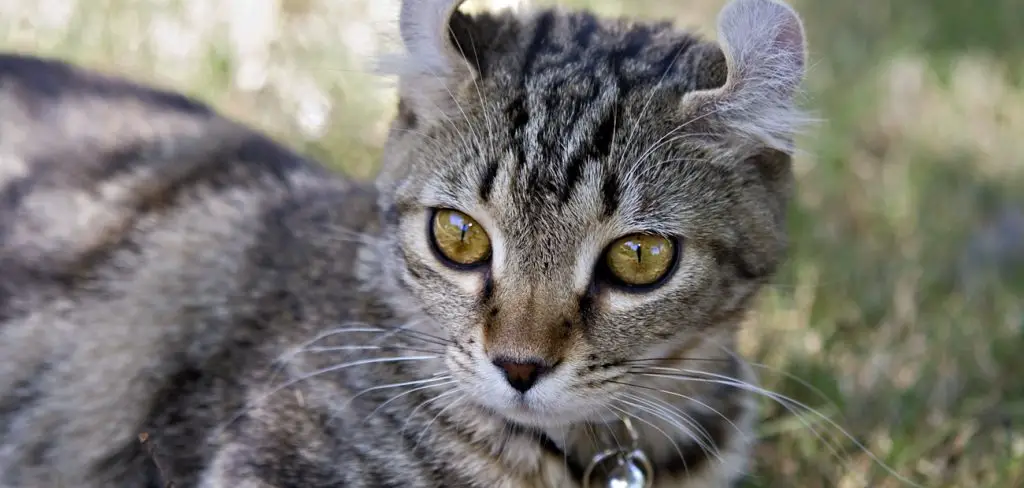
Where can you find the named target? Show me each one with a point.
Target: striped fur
(267, 324)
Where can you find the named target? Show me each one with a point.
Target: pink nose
(522, 375)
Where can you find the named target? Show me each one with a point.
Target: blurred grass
(901, 310)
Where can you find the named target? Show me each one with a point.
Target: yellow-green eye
(640, 259)
(459, 238)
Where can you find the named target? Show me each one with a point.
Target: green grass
(899, 334)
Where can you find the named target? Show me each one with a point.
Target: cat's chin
(540, 418)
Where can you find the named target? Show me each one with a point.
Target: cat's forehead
(554, 50)
(574, 107)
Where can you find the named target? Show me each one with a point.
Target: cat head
(565, 193)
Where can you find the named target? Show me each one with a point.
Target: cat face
(573, 194)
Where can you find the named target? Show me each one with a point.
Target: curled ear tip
(760, 11)
(757, 21)
(424, 30)
(415, 8)
(775, 4)
(419, 17)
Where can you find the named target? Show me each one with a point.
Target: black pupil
(638, 249)
(458, 221)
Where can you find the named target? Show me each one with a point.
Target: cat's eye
(640, 259)
(458, 238)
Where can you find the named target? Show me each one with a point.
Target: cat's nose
(522, 375)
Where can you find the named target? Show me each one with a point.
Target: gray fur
(170, 272)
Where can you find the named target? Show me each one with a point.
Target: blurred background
(899, 321)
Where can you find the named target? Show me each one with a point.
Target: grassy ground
(899, 315)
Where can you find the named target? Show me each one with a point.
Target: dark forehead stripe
(519, 112)
(598, 149)
(487, 180)
(565, 105)
(611, 193)
(539, 42)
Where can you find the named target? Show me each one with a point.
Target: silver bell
(627, 475)
(632, 469)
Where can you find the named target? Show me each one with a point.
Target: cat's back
(103, 179)
(142, 242)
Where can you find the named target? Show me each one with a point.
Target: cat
(572, 218)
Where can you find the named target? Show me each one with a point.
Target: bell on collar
(628, 473)
(631, 468)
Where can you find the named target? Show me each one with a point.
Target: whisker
(336, 331)
(735, 356)
(368, 348)
(356, 327)
(425, 337)
(425, 403)
(439, 381)
(687, 398)
(426, 428)
(783, 400)
(588, 430)
(347, 327)
(364, 328)
(675, 444)
(817, 391)
(666, 140)
(682, 358)
(408, 331)
(504, 435)
(691, 424)
(361, 362)
(611, 431)
(704, 440)
(565, 452)
(321, 371)
(787, 403)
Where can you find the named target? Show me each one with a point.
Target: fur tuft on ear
(765, 50)
(431, 64)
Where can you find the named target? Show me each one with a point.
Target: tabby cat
(572, 218)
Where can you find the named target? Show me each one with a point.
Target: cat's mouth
(551, 403)
(543, 415)
(535, 414)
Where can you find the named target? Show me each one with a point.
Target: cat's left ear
(434, 62)
(765, 51)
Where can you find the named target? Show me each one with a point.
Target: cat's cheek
(448, 296)
(442, 290)
(467, 283)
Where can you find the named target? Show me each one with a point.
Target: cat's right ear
(433, 64)
(766, 56)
